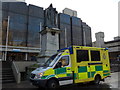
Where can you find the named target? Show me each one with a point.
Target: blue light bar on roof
(70, 49)
(62, 49)
(106, 48)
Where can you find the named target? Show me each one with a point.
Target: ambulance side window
(64, 61)
(82, 55)
(95, 55)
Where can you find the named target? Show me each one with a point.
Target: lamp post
(7, 38)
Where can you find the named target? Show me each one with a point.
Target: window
(95, 55)
(82, 55)
(64, 61)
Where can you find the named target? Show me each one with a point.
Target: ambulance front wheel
(52, 84)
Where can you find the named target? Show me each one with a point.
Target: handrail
(16, 69)
(16, 72)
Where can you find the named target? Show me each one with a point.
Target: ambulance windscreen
(51, 61)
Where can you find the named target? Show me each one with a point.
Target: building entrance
(15, 56)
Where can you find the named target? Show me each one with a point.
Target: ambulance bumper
(39, 83)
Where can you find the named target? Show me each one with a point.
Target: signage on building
(16, 50)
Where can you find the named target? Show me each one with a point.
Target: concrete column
(99, 39)
(3, 56)
(0, 56)
(26, 56)
(84, 38)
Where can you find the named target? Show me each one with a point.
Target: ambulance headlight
(39, 75)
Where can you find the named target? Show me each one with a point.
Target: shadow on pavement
(70, 87)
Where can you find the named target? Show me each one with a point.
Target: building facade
(114, 49)
(23, 23)
(113, 46)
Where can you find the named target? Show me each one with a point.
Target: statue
(51, 17)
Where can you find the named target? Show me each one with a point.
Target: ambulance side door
(64, 72)
(82, 70)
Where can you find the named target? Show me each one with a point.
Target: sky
(100, 15)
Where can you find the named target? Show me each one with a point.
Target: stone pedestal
(49, 44)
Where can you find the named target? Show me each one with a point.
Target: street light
(7, 38)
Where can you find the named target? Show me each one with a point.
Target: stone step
(8, 81)
(7, 73)
(7, 70)
(7, 78)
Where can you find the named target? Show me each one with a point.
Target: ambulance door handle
(68, 69)
(106, 65)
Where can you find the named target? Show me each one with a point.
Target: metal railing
(11, 48)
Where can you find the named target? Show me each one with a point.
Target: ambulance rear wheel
(97, 80)
(52, 84)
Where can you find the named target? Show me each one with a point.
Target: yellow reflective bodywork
(84, 71)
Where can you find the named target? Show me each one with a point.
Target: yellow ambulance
(75, 64)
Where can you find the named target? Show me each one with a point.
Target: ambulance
(75, 64)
